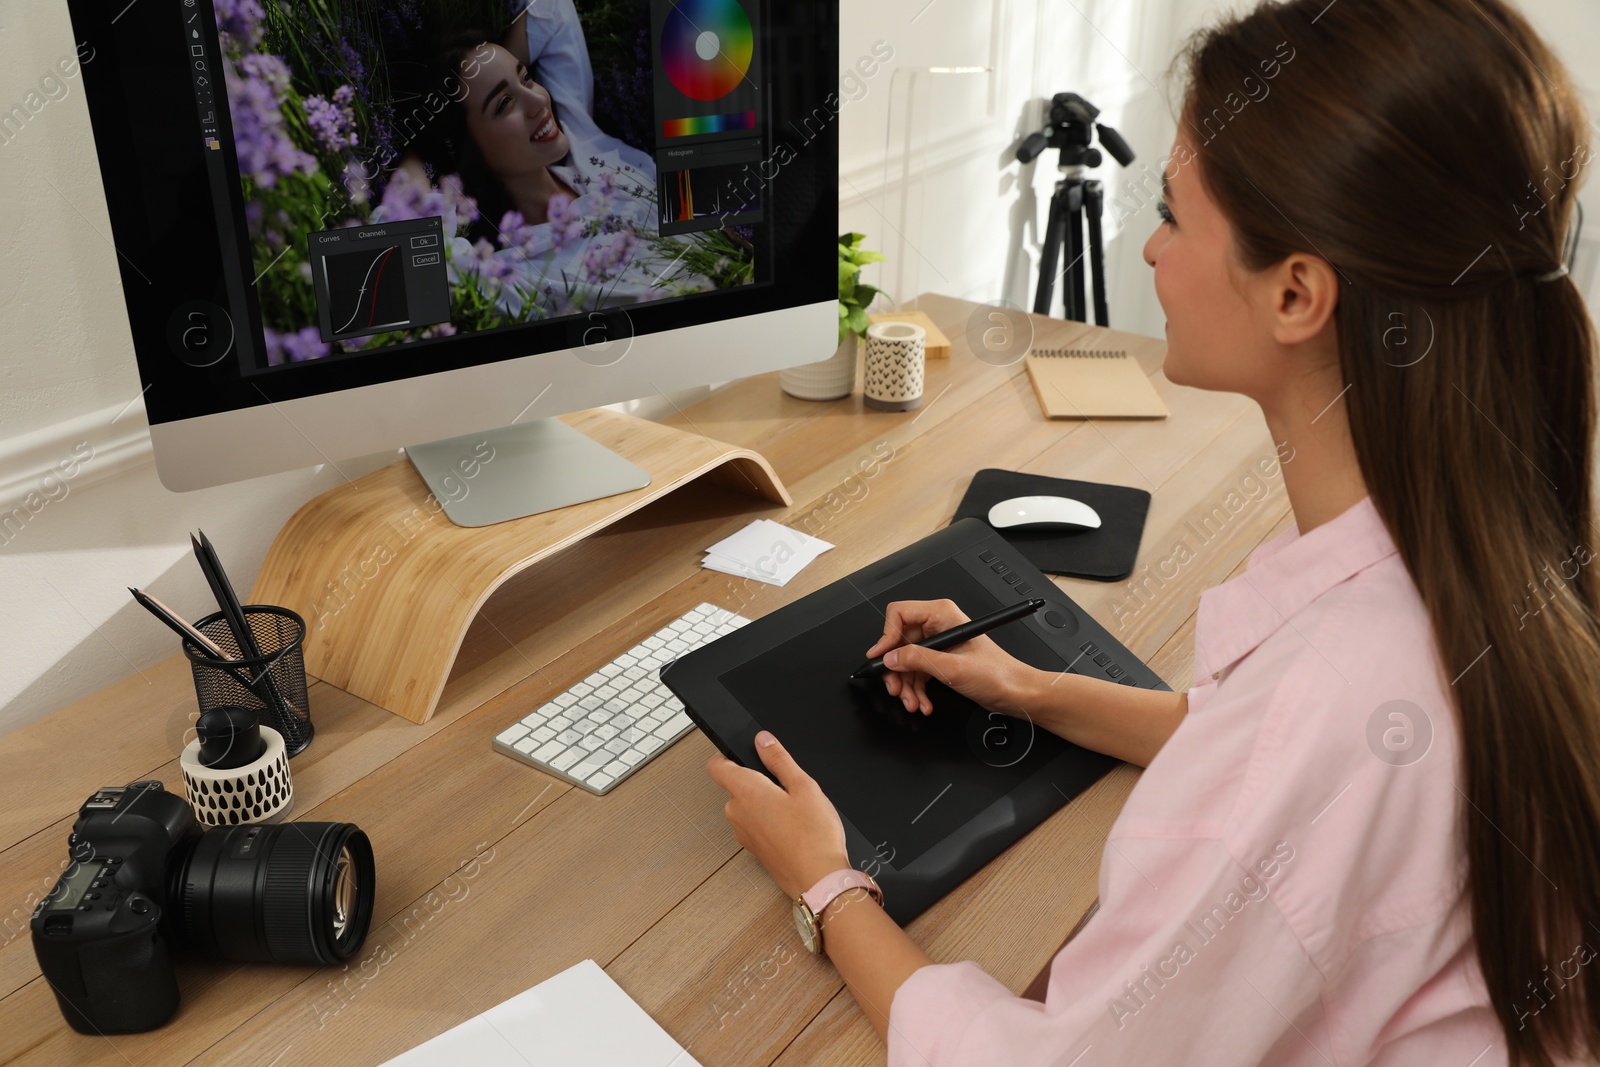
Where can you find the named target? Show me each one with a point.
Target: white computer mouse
(1043, 513)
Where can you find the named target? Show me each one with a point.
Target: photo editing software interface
(404, 180)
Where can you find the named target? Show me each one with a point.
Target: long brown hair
(1428, 150)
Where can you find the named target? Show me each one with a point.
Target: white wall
(948, 203)
(927, 160)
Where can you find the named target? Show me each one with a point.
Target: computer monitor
(345, 226)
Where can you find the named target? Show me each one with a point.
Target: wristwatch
(809, 906)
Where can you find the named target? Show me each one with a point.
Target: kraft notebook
(1092, 381)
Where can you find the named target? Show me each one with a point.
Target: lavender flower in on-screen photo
(411, 196)
(380, 117)
(456, 203)
(528, 242)
(566, 224)
(264, 149)
(479, 264)
(350, 64)
(238, 23)
(400, 17)
(607, 256)
(303, 344)
(402, 198)
(596, 268)
(333, 121)
(293, 347)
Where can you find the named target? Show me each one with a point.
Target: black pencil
(222, 590)
(233, 612)
(184, 629)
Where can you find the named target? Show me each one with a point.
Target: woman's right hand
(979, 670)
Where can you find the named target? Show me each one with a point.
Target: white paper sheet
(766, 551)
(578, 1018)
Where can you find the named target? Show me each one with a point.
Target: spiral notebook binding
(1080, 352)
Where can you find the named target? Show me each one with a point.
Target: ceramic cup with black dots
(896, 358)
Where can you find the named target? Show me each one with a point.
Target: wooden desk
(493, 876)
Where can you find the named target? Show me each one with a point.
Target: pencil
(233, 612)
(222, 590)
(183, 628)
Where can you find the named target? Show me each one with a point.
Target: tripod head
(1071, 131)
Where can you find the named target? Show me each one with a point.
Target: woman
(1370, 247)
(548, 37)
(572, 224)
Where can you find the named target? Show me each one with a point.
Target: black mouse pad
(1105, 555)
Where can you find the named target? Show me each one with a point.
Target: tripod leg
(1072, 295)
(1049, 254)
(1094, 204)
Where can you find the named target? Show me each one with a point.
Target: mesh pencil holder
(276, 688)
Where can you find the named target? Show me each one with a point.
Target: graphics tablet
(925, 800)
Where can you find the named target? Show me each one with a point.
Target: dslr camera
(143, 880)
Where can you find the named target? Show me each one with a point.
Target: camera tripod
(1076, 198)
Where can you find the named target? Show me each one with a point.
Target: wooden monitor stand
(388, 584)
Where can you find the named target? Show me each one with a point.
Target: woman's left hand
(793, 829)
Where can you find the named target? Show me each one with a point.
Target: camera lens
(298, 892)
(346, 893)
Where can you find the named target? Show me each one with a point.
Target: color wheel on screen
(706, 47)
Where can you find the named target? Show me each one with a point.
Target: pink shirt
(1285, 884)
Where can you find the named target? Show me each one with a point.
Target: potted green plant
(835, 377)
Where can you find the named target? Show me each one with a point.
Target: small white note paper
(578, 1018)
(766, 551)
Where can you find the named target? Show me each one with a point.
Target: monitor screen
(311, 197)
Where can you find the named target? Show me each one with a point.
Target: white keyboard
(620, 717)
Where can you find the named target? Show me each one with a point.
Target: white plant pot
(828, 380)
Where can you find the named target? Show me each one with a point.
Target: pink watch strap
(821, 895)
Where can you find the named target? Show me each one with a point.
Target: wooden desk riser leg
(388, 585)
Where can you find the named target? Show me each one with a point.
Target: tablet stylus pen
(966, 631)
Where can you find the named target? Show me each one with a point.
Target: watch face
(806, 924)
